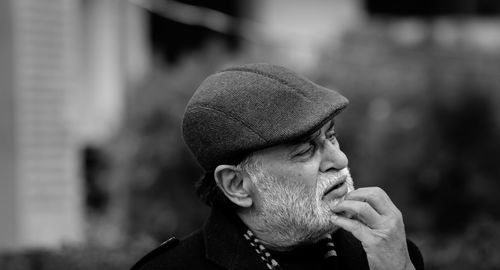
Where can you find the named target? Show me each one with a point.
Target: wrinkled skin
(378, 224)
(289, 190)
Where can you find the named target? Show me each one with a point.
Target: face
(298, 184)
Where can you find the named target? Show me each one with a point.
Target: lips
(337, 189)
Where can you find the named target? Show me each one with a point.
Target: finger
(358, 229)
(376, 197)
(361, 211)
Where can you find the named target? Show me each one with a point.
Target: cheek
(306, 175)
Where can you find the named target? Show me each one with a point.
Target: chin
(319, 234)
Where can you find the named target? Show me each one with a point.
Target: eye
(332, 136)
(305, 150)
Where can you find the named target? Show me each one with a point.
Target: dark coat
(220, 245)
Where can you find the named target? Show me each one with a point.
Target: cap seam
(269, 76)
(233, 117)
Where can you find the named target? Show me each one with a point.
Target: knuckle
(378, 191)
(398, 214)
(393, 223)
(359, 227)
(365, 208)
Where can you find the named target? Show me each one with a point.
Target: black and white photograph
(249, 134)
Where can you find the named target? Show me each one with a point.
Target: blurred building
(300, 30)
(64, 67)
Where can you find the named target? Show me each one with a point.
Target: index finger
(376, 197)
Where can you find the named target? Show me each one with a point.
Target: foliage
(158, 169)
(423, 124)
(476, 248)
(75, 258)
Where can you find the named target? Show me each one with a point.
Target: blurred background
(93, 170)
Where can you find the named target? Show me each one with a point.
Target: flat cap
(246, 108)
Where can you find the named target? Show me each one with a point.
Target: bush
(424, 125)
(75, 258)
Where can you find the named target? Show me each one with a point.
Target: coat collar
(350, 251)
(226, 246)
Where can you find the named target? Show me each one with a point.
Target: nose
(332, 158)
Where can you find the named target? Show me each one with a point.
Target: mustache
(327, 180)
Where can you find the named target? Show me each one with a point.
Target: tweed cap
(246, 108)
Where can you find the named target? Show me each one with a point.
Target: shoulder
(162, 248)
(175, 254)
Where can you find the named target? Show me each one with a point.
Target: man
(278, 183)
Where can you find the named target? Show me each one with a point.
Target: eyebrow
(312, 136)
(296, 143)
(332, 125)
(307, 138)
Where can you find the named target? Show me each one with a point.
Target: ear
(232, 183)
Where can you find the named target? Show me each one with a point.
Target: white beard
(291, 213)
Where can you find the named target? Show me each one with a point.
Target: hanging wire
(220, 22)
(201, 16)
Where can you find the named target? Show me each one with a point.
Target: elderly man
(278, 183)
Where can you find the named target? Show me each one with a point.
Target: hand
(370, 215)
